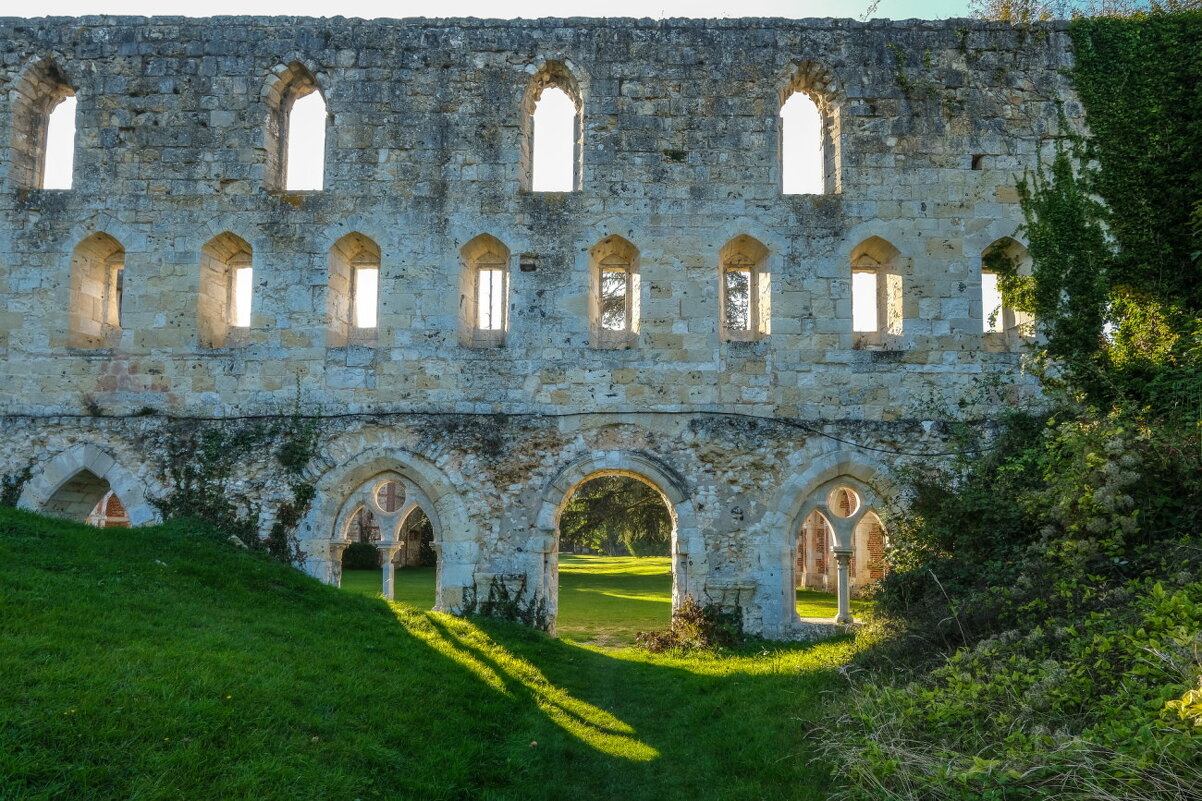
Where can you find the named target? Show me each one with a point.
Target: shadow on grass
(158, 664)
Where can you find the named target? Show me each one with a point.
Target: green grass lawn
(811, 603)
(158, 663)
(603, 600)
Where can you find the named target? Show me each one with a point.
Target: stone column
(843, 560)
(388, 549)
(335, 574)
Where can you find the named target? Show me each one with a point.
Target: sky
(893, 9)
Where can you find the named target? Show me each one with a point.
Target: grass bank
(161, 664)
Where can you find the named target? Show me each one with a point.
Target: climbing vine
(206, 475)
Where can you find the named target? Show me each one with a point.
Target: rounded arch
(89, 462)
(546, 74)
(688, 554)
(825, 91)
(286, 84)
(36, 91)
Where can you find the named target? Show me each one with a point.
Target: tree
(1024, 11)
(613, 514)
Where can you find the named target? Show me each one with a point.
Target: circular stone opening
(843, 502)
(390, 497)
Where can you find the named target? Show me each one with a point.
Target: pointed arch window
(1003, 328)
(744, 290)
(614, 297)
(354, 291)
(484, 293)
(877, 311)
(552, 131)
(43, 128)
(295, 134)
(226, 303)
(97, 285)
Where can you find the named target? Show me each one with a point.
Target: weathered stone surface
(929, 123)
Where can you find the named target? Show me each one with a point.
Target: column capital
(388, 548)
(337, 547)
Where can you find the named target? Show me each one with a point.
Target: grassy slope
(150, 663)
(603, 600)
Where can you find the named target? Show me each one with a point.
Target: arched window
(295, 134)
(744, 289)
(614, 295)
(552, 131)
(354, 291)
(1003, 328)
(877, 310)
(43, 128)
(226, 292)
(810, 132)
(391, 515)
(801, 159)
(483, 292)
(97, 284)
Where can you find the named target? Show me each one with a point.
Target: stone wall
(927, 123)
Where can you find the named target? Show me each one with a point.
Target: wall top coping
(809, 23)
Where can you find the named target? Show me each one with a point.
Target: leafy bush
(696, 627)
(361, 556)
(1095, 707)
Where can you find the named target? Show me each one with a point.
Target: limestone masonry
(768, 424)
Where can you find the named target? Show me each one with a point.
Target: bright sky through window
(801, 146)
(554, 142)
(243, 289)
(307, 143)
(490, 299)
(367, 293)
(991, 303)
(863, 302)
(60, 146)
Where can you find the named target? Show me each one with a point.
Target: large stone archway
(73, 482)
(455, 541)
(793, 502)
(689, 567)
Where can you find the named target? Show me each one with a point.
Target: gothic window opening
(353, 292)
(226, 302)
(614, 296)
(1003, 327)
(877, 309)
(385, 543)
(744, 290)
(97, 287)
(484, 293)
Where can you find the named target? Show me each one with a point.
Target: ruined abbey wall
(928, 124)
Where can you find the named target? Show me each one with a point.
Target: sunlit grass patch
(156, 663)
(811, 603)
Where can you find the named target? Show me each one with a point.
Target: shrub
(361, 556)
(696, 627)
